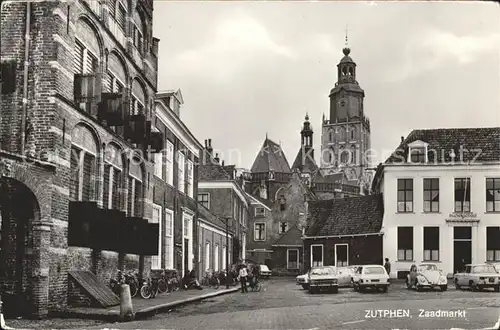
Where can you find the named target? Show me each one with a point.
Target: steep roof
(292, 237)
(263, 201)
(345, 216)
(209, 170)
(270, 157)
(304, 162)
(481, 142)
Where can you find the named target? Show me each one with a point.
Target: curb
(114, 316)
(146, 312)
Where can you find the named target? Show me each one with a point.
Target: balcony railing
(117, 31)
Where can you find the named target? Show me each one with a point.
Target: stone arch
(122, 63)
(92, 29)
(80, 135)
(281, 190)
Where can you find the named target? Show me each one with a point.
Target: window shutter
(78, 58)
(90, 63)
(88, 169)
(75, 175)
(106, 191)
(121, 17)
(117, 184)
(8, 77)
(112, 8)
(109, 82)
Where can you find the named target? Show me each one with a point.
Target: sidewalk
(144, 308)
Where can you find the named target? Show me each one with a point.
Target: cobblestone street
(283, 305)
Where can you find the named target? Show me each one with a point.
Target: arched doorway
(18, 210)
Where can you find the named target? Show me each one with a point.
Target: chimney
(222, 163)
(402, 139)
(209, 147)
(206, 144)
(216, 157)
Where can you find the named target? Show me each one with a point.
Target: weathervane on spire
(346, 40)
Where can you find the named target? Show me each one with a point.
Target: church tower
(304, 162)
(346, 134)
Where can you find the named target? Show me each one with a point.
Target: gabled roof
(293, 237)
(482, 143)
(345, 216)
(270, 158)
(304, 162)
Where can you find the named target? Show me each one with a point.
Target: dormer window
(417, 152)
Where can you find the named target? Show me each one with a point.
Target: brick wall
(212, 238)
(279, 261)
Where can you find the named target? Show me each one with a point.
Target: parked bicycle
(211, 279)
(149, 288)
(129, 278)
(163, 283)
(174, 282)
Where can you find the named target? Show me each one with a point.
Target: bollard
(126, 308)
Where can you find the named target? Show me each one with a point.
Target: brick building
(175, 185)
(77, 103)
(221, 192)
(344, 232)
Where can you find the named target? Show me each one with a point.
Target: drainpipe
(26, 67)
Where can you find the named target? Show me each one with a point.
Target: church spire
(307, 133)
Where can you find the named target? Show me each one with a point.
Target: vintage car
(265, 272)
(323, 278)
(344, 275)
(478, 277)
(302, 280)
(370, 277)
(426, 276)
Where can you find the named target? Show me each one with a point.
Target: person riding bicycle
(255, 274)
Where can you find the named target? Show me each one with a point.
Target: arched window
(87, 51)
(343, 155)
(113, 177)
(351, 71)
(342, 134)
(138, 100)
(83, 165)
(353, 133)
(354, 152)
(330, 136)
(138, 32)
(116, 76)
(135, 184)
(344, 71)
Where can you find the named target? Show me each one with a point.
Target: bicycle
(174, 283)
(149, 288)
(254, 283)
(163, 285)
(211, 279)
(131, 278)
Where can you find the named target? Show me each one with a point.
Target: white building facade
(447, 213)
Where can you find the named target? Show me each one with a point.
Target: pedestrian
(243, 278)
(387, 266)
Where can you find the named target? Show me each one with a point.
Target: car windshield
(322, 271)
(263, 267)
(423, 268)
(374, 270)
(483, 269)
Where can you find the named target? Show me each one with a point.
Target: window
(170, 163)
(204, 199)
(83, 169)
(207, 256)
(431, 195)
(353, 154)
(189, 179)
(417, 154)
(121, 16)
(343, 155)
(159, 165)
(136, 106)
(316, 255)
(493, 243)
(186, 227)
(493, 195)
(353, 133)
(259, 231)
(223, 257)
(405, 195)
(113, 85)
(156, 260)
(282, 203)
(341, 255)
(137, 38)
(112, 180)
(84, 61)
(260, 212)
(405, 243)
(216, 258)
(431, 243)
(169, 239)
(462, 195)
(283, 227)
(180, 172)
(235, 208)
(292, 259)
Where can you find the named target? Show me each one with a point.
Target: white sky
(247, 68)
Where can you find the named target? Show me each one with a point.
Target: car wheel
(444, 287)
(408, 285)
(497, 288)
(312, 291)
(472, 286)
(384, 289)
(304, 286)
(355, 287)
(419, 288)
(457, 286)
(335, 290)
(361, 289)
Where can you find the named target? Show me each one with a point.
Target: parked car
(370, 277)
(426, 276)
(265, 272)
(478, 277)
(344, 275)
(303, 280)
(323, 278)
